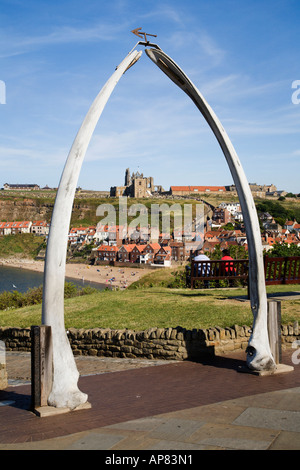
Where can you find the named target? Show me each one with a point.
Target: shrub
(34, 296)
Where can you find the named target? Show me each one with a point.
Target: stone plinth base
(3, 377)
(44, 411)
(280, 369)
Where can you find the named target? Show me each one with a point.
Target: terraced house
(40, 227)
(107, 253)
(11, 228)
(124, 253)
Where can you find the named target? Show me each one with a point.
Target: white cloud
(165, 11)
(211, 49)
(16, 44)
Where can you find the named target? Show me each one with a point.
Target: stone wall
(154, 343)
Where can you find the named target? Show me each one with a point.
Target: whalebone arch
(65, 392)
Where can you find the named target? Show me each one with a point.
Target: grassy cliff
(25, 245)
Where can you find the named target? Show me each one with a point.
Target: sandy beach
(109, 275)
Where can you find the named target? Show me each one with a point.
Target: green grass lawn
(142, 308)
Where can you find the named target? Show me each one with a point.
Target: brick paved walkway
(138, 393)
(18, 365)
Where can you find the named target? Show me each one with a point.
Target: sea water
(23, 279)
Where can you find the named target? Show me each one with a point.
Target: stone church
(136, 185)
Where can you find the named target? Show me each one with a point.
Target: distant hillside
(280, 210)
(38, 205)
(35, 207)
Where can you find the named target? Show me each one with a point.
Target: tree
(228, 226)
(276, 210)
(284, 250)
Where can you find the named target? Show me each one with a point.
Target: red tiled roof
(155, 246)
(128, 247)
(140, 247)
(107, 248)
(39, 222)
(23, 224)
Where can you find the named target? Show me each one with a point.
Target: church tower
(127, 177)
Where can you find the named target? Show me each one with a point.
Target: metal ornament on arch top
(259, 356)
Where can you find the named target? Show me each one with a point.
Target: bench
(283, 270)
(207, 271)
(278, 270)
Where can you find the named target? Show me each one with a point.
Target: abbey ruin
(136, 185)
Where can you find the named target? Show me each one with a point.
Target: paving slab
(176, 429)
(270, 418)
(95, 441)
(286, 441)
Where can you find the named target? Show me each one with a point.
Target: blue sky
(243, 56)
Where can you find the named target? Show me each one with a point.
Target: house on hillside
(77, 234)
(221, 216)
(164, 256)
(116, 233)
(138, 234)
(209, 246)
(12, 228)
(21, 187)
(124, 253)
(148, 254)
(2, 227)
(292, 239)
(297, 228)
(136, 253)
(101, 233)
(227, 236)
(272, 226)
(212, 236)
(290, 224)
(178, 251)
(109, 233)
(107, 253)
(187, 190)
(267, 242)
(40, 227)
(90, 236)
